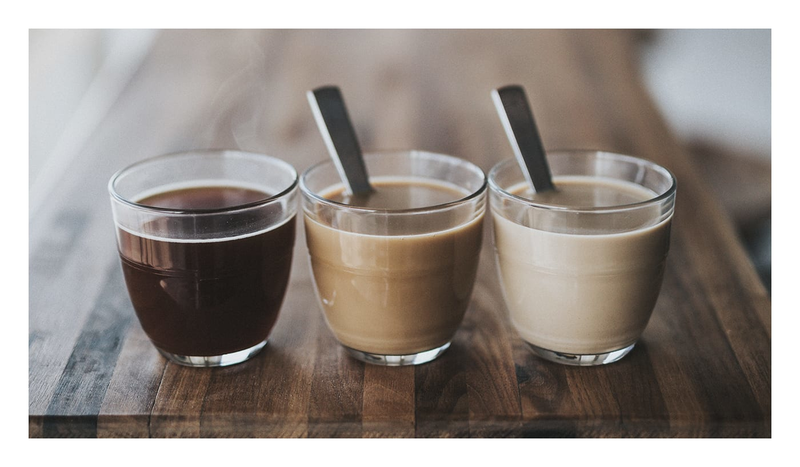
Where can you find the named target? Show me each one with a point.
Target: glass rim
(203, 152)
(494, 187)
(378, 154)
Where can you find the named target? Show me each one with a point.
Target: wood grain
(702, 368)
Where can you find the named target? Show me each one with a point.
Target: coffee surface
(587, 192)
(211, 297)
(400, 194)
(205, 197)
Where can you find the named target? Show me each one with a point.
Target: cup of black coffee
(205, 240)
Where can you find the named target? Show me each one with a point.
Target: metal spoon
(515, 113)
(340, 138)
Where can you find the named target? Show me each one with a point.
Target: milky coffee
(575, 289)
(395, 294)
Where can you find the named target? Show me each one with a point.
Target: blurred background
(713, 88)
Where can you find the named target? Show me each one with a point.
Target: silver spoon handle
(515, 113)
(340, 137)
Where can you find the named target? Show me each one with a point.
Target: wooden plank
(66, 277)
(83, 383)
(178, 405)
(441, 398)
(285, 391)
(492, 387)
(336, 399)
(388, 402)
(128, 401)
(229, 404)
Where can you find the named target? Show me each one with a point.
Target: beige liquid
(579, 293)
(400, 194)
(395, 294)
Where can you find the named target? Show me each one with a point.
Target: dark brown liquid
(217, 197)
(207, 298)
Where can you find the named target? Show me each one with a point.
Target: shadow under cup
(394, 284)
(207, 265)
(580, 283)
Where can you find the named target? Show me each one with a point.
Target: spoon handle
(340, 137)
(515, 113)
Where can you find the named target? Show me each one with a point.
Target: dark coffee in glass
(205, 241)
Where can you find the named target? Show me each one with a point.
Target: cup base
(581, 359)
(398, 360)
(215, 360)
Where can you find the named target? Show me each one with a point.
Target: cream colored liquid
(583, 192)
(582, 294)
(400, 194)
(395, 294)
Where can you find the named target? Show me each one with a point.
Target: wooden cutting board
(702, 368)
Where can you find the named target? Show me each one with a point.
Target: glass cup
(580, 283)
(205, 240)
(394, 284)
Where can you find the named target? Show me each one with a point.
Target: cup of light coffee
(394, 270)
(205, 240)
(581, 267)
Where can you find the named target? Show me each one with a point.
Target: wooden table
(702, 368)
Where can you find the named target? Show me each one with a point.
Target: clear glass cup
(394, 284)
(206, 282)
(580, 283)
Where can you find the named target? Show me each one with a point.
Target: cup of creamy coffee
(394, 270)
(581, 267)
